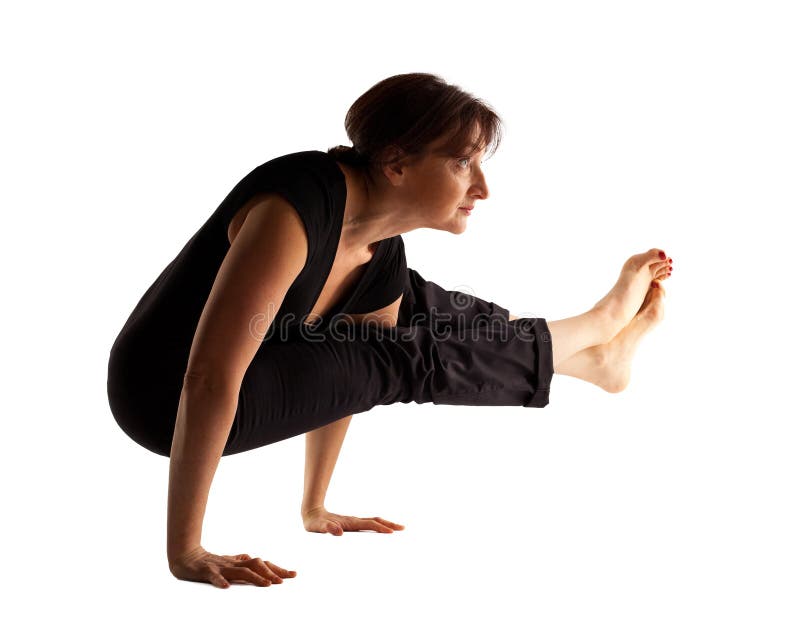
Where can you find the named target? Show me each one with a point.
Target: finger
(262, 569)
(242, 573)
(218, 580)
(370, 523)
(241, 556)
(384, 524)
(326, 526)
(281, 571)
(389, 523)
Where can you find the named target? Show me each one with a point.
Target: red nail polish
(670, 259)
(653, 284)
(662, 254)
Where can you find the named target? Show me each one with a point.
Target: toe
(657, 254)
(659, 267)
(648, 259)
(661, 272)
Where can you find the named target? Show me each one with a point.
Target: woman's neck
(370, 216)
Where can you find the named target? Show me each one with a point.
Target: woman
(292, 308)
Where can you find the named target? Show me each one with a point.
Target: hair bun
(355, 156)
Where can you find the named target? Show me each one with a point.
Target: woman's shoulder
(304, 160)
(309, 180)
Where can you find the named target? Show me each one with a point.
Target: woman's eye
(464, 159)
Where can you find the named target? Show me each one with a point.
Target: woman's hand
(321, 520)
(221, 570)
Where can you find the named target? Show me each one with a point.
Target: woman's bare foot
(620, 305)
(613, 360)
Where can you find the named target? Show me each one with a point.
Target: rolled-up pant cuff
(542, 358)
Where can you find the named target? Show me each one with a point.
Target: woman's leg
(429, 304)
(613, 312)
(298, 385)
(609, 365)
(573, 335)
(293, 387)
(425, 302)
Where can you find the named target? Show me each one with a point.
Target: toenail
(662, 254)
(670, 260)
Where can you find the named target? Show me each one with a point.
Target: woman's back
(150, 354)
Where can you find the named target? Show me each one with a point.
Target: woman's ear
(394, 161)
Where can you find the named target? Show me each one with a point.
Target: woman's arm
(322, 451)
(323, 444)
(260, 266)
(205, 416)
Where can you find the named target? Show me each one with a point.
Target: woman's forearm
(322, 451)
(205, 414)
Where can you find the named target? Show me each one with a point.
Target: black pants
(448, 348)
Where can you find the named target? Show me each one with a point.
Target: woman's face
(440, 185)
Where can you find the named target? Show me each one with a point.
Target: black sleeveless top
(162, 325)
(314, 184)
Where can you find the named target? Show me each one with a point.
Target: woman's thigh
(296, 386)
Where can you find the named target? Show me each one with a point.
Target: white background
(628, 125)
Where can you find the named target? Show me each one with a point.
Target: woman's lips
(466, 210)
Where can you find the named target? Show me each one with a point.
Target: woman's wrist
(307, 508)
(175, 554)
(181, 543)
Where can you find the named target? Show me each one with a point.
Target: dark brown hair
(409, 112)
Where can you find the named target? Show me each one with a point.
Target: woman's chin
(460, 226)
(455, 226)
(458, 229)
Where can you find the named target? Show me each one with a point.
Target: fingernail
(653, 284)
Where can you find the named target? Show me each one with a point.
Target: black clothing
(303, 377)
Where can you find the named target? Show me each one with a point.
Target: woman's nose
(482, 187)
